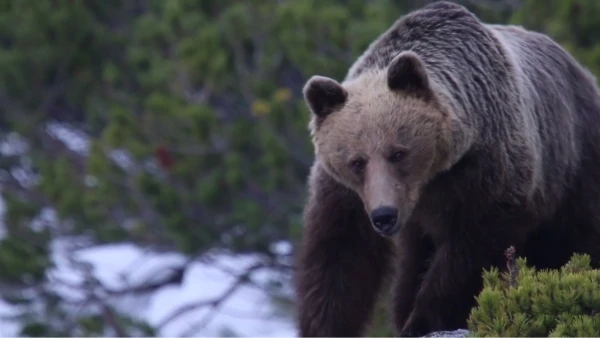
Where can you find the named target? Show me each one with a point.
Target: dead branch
(215, 302)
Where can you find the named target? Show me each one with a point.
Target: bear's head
(383, 134)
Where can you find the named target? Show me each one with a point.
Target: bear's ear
(407, 73)
(324, 95)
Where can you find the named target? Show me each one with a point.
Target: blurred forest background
(177, 127)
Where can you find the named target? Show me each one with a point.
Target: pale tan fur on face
(372, 124)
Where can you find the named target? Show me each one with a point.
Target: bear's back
(439, 33)
(460, 53)
(557, 91)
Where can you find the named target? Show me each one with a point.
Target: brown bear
(448, 141)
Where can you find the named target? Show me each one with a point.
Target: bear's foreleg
(454, 278)
(414, 251)
(342, 262)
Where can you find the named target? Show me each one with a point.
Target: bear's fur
(468, 138)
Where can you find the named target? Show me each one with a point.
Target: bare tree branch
(112, 321)
(212, 303)
(174, 278)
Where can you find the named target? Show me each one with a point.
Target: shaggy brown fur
(453, 140)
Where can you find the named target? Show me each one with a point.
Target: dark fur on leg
(414, 250)
(459, 262)
(342, 262)
(438, 307)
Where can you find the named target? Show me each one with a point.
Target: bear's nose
(384, 219)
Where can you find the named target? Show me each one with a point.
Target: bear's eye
(397, 156)
(358, 165)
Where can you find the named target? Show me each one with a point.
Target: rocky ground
(457, 333)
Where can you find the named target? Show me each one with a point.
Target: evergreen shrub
(546, 303)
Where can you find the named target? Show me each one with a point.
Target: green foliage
(23, 261)
(543, 303)
(381, 323)
(212, 85)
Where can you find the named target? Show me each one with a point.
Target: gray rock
(457, 333)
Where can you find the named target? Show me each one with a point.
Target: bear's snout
(384, 220)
